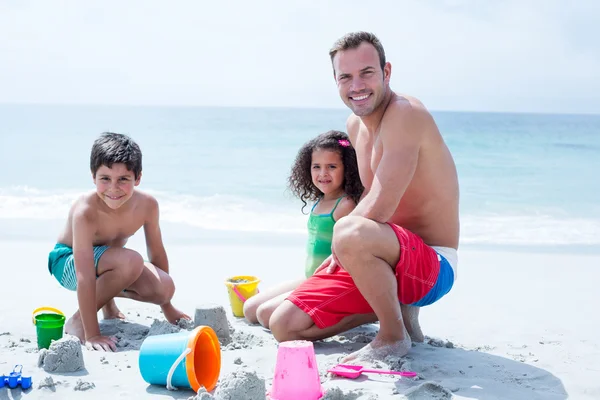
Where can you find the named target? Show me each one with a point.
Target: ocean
(525, 179)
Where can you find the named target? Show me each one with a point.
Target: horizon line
(433, 110)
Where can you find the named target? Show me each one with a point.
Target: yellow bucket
(240, 288)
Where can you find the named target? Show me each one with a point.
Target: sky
(461, 55)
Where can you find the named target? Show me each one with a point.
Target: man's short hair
(115, 148)
(353, 39)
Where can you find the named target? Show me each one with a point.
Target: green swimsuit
(320, 233)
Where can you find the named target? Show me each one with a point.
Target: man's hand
(101, 343)
(172, 314)
(330, 264)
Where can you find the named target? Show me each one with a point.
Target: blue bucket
(182, 360)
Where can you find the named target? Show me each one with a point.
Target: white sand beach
(513, 327)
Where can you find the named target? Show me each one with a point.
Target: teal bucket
(188, 359)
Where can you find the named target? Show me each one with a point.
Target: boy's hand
(102, 343)
(172, 314)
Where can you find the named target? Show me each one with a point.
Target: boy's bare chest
(117, 228)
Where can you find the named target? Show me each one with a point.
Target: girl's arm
(344, 208)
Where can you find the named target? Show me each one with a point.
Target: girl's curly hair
(300, 179)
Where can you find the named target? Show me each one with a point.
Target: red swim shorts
(328, 298)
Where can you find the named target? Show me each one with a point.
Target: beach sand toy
(188, 359)
(49, 323)
(15, 379)
(296, 373)
(240, 289)
(354, 371)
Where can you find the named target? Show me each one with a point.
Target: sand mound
(429, 391)
(241, 385)
(64, 355)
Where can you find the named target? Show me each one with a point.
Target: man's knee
(348, 232)
(350, 235)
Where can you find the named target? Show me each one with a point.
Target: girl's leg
(264, 311)
(251, 305)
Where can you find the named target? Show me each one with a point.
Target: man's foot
(74, 326)
(410, 316)
(379, 349)
(111, 311)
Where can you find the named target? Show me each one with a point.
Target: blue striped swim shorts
(61, 264)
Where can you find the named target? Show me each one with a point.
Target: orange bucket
(161, 359)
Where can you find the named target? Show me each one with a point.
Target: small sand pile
(64, 355)
(48, 383)
(202, 395)
(214, 315)
(396, 363)
(337, 394)
(82, 386)
(241, 385)
(159, 327)
(185, 324)
(245, 340)
(439, 343)
(428, 391)
(355, 337)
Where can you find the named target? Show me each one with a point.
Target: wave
(231, 213)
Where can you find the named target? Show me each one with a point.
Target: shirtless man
(90, 257)
(397, 250)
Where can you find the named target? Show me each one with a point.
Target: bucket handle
(239, 295)
(38, 310)
(174, 366)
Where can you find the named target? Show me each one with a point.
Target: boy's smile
(115, 185)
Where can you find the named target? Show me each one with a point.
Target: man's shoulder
(352, 125)
(407, 114)
(405, 106)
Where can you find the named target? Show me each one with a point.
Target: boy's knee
(166, 291)
(134, 263)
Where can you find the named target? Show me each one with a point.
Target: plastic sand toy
(354, 371)
(15, 379)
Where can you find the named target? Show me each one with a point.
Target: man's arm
(83, 255)
(157, 254)
(400, 136)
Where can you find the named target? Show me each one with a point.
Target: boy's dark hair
(115, 148)
(352, 40)
(300, 179)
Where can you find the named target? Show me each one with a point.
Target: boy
(90, 257)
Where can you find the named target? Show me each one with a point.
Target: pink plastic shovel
(354, 371)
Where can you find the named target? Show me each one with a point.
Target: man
(397, 250)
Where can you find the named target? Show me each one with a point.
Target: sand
(214, 316)
(63, 355)
(516, 326)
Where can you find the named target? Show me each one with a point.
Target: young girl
(325, 172)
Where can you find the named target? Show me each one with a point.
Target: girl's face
(327, 171)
